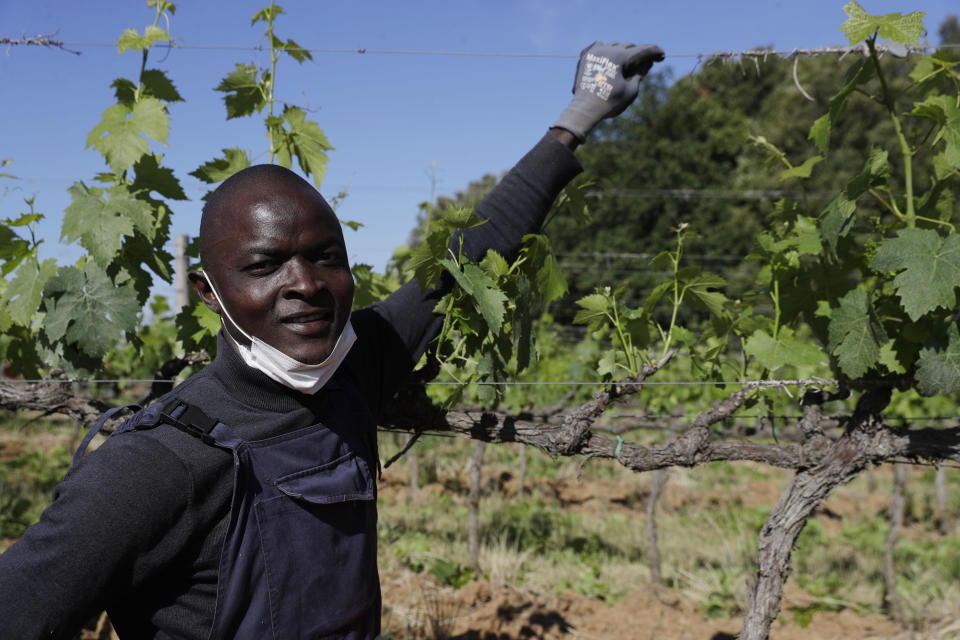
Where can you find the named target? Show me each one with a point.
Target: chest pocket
(317, 535)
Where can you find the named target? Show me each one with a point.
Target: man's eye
(262, 267)
(329, 258)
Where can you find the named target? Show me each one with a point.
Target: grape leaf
(243, 92)
(425, 258)
(487, 298)
(295, 51)
(219, 169)
(944, 111)
(156, 83)
(802, 171)
(930, 267)
(118, 137)
(151, 176)
(99, 229)
(523, 322)
(855, 336)
(773, 353)
(494, 265)
(541, 267)
(267, 14)
(87, 309)
(858, 74)
(839, 213)
(22, 294)
(305, 140)
(593, 311)
(699, 286)
(197, 328)
(131, 38)
(938, 369)
(860, 25)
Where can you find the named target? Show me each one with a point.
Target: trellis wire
(751, 54)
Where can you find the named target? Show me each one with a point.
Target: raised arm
(399, 328)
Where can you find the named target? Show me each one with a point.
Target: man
(242, 504)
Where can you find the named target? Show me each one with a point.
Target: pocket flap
(346, 478)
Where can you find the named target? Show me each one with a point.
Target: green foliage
(248, 89)
(487, 333)
(452, 573)
(25, 487)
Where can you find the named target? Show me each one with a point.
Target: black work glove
(607, 81)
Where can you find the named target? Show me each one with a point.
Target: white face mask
(307, 378)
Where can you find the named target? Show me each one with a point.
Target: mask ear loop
(223, 308)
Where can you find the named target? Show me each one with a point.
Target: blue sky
(390, 117)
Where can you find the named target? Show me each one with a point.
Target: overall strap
(194, 422)
(95, 429)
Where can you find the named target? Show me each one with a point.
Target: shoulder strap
(95, 429)
(177, 413)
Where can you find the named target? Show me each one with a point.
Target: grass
(590, 537)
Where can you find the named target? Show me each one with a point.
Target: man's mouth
(301, 318)
(313, 322)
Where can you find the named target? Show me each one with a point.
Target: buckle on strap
(189, 419)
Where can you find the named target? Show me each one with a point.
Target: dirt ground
(415, 606)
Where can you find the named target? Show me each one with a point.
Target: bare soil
(417, 607)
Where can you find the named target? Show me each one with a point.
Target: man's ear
(203, 289)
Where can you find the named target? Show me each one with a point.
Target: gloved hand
(607, 81)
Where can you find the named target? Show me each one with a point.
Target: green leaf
(858, 74)
(594, 308)
(131, 39)
(938, 369)
(860, 25)
(459, 218)
(267, 14)
(541, 267)
(219, 169)
(855, 335)
(243, 92)
(13, 250)
(494, 265)
(944, 111)
(150, 176)
(156, 83)
(99, 229)
(523, 323)
(888, 358)
(125, 91)
(699, 286)
(296, 52)
(487, 298)
(425, 258)
(305, 141)
(773, 353)
(87, 309)
(803, 171)
(838, 215)
(607, 365)
(118, 136)
(929, 268)
(197, 328)
(22, 294)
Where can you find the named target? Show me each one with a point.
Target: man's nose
(303, 278)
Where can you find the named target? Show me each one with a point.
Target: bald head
(273, 249)
(254, 184)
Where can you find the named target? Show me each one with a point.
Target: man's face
(280, 266)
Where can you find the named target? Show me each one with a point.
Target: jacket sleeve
(401, 326)
(97, 540)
